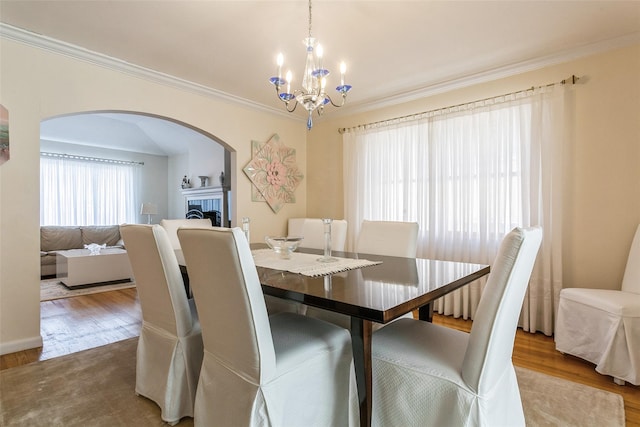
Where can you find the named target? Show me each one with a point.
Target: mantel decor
(274, 173)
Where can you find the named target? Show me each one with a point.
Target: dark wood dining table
(378, 293)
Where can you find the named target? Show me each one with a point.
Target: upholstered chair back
(233, 315)
(172, 225)
(312, 229)
(488, 354)
(631, 279)
(391, 238)
(158, 280)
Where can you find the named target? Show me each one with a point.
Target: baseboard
(20, 345)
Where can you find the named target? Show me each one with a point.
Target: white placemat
(307, 264)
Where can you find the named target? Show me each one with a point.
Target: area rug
(551, 401)
(51, 289)
(96, 387)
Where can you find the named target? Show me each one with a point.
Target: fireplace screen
(205, 208)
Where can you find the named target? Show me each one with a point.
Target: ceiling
(126, 132)
(393, 49)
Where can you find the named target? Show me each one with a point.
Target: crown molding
(491, 75)
(76, 52)
(66, 49)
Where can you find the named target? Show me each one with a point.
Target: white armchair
(280, 370)
(603, 325)
(430, 375)
(170, 348)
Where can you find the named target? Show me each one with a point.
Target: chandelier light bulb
(288, 79)
(280, 61)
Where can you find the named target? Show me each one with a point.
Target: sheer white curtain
(84, 192)
(468, 176)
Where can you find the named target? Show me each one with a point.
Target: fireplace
(207, 202)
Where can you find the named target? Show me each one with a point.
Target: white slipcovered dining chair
(391, 238)
(170, 348)
(603, 325)
(312, 229)
(280, 370)
(172, 225)
(430, 375)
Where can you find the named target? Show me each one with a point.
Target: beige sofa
(55, 238)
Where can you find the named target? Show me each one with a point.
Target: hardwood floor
(75, 324)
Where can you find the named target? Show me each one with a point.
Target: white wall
(207, 160)
(203, 158)
(178, 167)
(36, 84)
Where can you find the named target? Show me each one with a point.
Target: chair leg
(618, 381)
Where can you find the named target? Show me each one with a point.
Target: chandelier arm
(344, 97)
(294, 106)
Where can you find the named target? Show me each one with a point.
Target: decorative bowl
(283, 245)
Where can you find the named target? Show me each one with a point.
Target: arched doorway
(172, 151)
(154, 140)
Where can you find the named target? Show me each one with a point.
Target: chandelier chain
(309, 19)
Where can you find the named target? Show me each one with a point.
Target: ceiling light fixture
(312, 95)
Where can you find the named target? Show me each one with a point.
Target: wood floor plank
(74, 324)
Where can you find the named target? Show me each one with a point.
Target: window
(75, 190)
(468, 175)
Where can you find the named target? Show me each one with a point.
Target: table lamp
(149, 209)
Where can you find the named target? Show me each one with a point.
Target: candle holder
(327, 242)
(245, 228)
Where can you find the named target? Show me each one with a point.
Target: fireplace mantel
(199, 191)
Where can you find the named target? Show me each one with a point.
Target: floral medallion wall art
(274, 173)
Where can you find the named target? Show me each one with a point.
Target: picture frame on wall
(4, 134)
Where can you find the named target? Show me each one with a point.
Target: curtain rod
(571, 80)
(90, 159)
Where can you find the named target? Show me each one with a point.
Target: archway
(127, 135)
(119, 134)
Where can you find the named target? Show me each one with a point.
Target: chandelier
(312, 94)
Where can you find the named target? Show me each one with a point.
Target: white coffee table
(77, 268)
